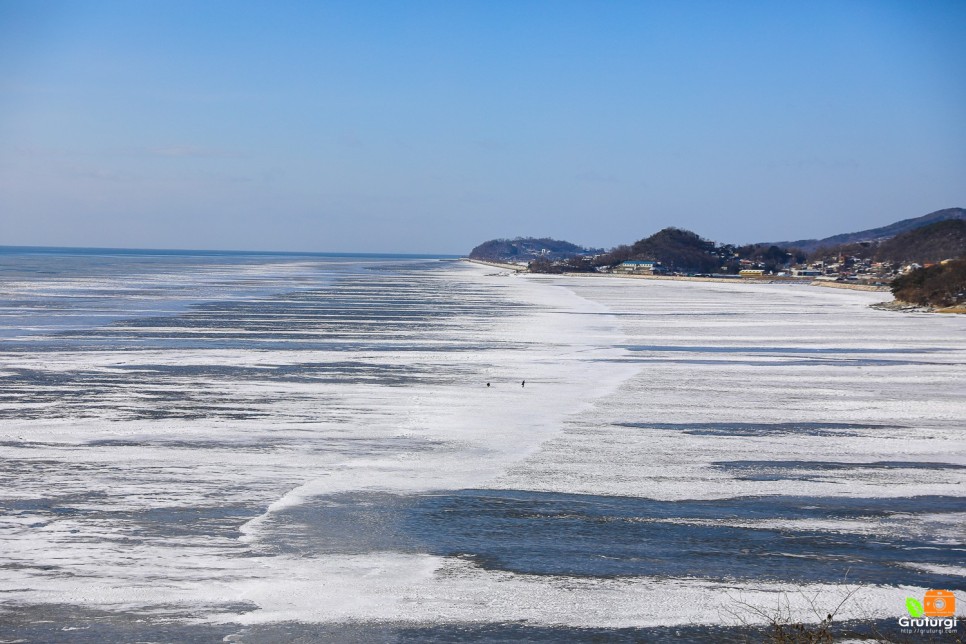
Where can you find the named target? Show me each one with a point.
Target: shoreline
(516, 268)
(854, 287)
(686, 278)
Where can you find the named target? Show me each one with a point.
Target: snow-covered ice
(315, 442)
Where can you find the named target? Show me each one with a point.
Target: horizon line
(4, 248)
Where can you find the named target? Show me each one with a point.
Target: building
(640, 267)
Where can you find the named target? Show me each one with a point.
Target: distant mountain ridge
(875, 234)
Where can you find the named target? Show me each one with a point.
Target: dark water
(780, 356)
(762, 429)
(546, 533)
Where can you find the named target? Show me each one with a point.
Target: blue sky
(433, 126)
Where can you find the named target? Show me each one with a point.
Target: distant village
(776, 264)
(842, 268)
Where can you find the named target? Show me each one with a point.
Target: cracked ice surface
(293, 442)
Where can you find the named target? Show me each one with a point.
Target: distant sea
(319, 447)
(71, 286)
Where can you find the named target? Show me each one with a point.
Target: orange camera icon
(939, 603)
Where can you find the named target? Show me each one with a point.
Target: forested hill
(678, 250)
(932, 243)
(524, 249)
(875, 234)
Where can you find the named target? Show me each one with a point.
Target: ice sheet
(151, 463)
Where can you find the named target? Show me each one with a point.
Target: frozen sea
(272, 448)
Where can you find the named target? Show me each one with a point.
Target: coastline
(516, 268)
(854, 287)
(792, 281)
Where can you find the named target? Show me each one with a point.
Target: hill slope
(680, 250)
(932, 243)
(939, 285)
(876, 234)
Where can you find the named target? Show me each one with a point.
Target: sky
(430, 127)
